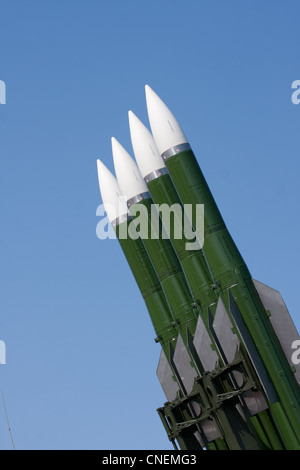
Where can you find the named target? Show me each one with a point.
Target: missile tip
(132, 117)
(101, 169)
(149, 90)
(116, 148)
(165, 128)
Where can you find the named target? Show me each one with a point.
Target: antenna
(9, 430)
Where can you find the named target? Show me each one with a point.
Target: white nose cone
(166, 131)
(128, 175)
(114, 204)
(146, 153)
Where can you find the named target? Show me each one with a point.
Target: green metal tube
(192, 261)
(269, 436)
(168, 270)
(149, 285)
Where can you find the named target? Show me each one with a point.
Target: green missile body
(164, 195)
(160, 251)
(138, 260)
(230, 274)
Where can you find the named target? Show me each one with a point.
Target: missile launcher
(226, 339)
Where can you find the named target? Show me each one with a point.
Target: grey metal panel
(222, 327)
(182, 362)
(281, 321)
(252, 351)
(210, 429)
(197, 436)
(202, 343)
(165, 377)
(255, 401)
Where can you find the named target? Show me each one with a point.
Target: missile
(185, 359)
(161, 188)
(163, 194)
(137, 258)
(164, 260)
(225, 337)
(236, 289)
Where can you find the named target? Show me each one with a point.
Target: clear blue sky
(81, 359)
